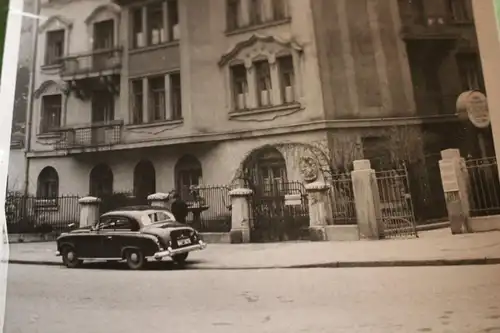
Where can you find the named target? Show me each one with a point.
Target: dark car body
(147, 232)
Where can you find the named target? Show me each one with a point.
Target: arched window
(144, 179)
(48, 183)
(101, 181)
(265, 169)
(188, 172)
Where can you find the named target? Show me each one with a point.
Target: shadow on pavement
(150, 266)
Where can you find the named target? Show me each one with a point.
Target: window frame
(168, 17)
(51, 178)
(49, 35)
(282, 72)
(263, 79)
(152, 93)
(233, 15)
(461, 8)
(175, 96)
(45, 127)
(109, 38)
(160, 11)
(137, 28)
(137, 110)
(256, 13)
(239, 85)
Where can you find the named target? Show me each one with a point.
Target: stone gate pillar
(240, 215)
(158, 200)
(367, 200)
(89, 211)
(454, 178)
(320, 212)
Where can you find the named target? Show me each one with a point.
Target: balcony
(90, 136)
(97, 63)
(436, 104)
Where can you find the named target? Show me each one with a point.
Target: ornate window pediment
(262, 73)
(50, 87)
(109, 8)
(55, 21)
(259, 46)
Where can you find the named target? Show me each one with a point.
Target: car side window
(106, 222)
(160, 217)
(123, 223)
(118, 223)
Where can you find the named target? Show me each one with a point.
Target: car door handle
(109, 237)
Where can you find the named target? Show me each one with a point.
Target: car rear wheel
(135, 259)
(70, 258)
(180, 258)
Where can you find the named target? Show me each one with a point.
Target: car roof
(134, 213)
(140, 208)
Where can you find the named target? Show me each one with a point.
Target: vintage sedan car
(134, 234)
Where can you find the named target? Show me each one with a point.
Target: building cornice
(249, 134)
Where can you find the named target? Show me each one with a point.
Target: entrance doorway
(271, 219)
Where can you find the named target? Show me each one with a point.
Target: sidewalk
(433, 248)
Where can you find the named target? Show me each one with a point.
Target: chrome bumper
(172, 252)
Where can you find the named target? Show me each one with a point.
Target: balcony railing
(91, 136)
(97, 61)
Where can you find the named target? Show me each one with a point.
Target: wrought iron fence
(210, 207)
(396, 203)
(342, 200)
(484, 186)
(32, 214)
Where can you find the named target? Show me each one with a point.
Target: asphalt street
(49, 299)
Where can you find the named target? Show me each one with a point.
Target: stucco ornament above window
(109, 7)
(55, 21)
(51, 87)
(247, 50)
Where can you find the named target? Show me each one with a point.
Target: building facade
(155, 95)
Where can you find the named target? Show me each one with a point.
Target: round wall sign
(474, 105)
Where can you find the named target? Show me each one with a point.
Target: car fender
(144, 250)
(62, 243)
(125, 248)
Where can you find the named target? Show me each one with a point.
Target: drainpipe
(31, 90)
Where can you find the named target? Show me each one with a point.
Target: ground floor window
(188, 172)
(101, 181)
(48, 183)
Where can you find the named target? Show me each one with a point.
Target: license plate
(182, 242)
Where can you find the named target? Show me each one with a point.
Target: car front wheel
(135, 259)
(70, 258)
(180, 258)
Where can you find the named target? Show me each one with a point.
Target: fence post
(240, 215)
(320, 213)
(89, 211)
(454, 179)
(158, 199)
(367, 200)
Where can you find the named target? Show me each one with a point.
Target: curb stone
(337, 264)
